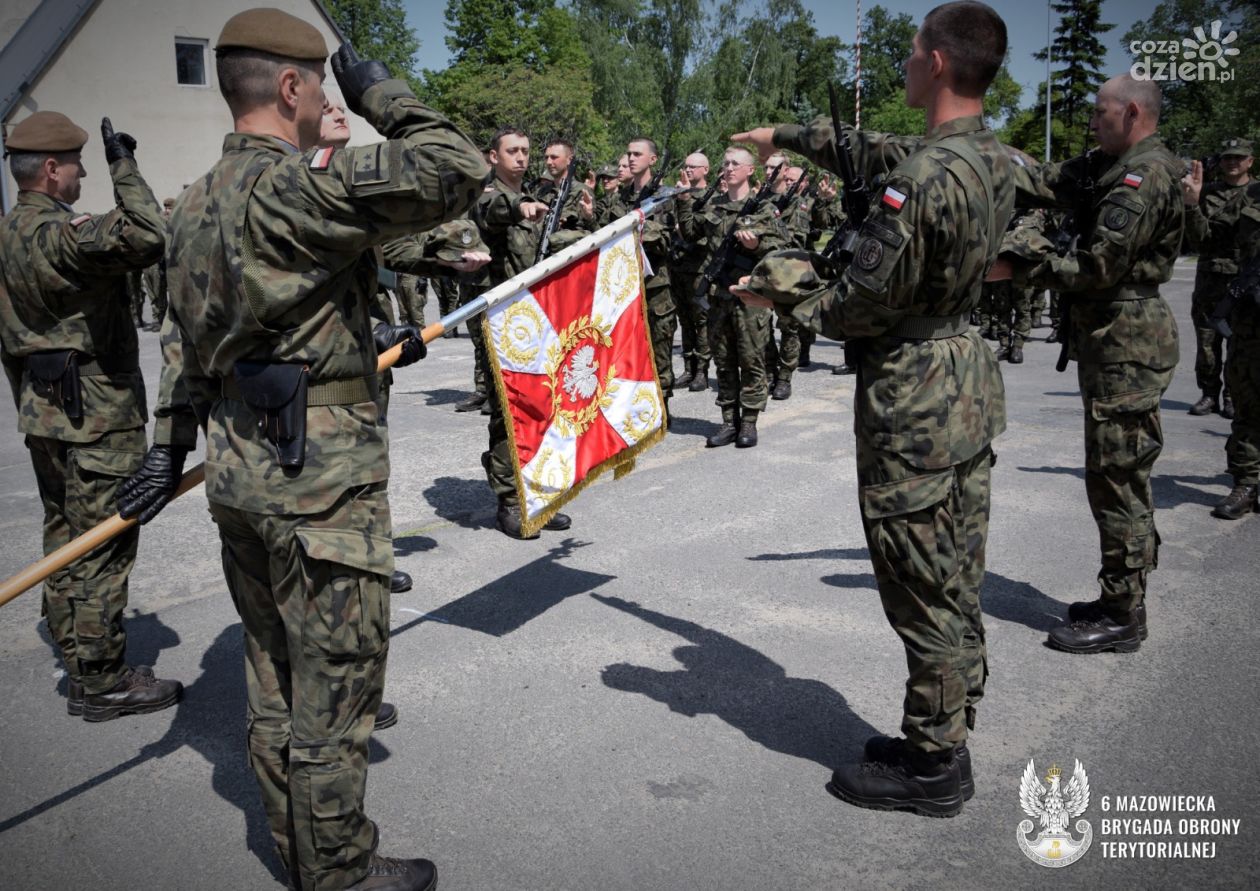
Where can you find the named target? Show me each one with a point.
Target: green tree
(377, 29)
(886, 44)
(1079, 54)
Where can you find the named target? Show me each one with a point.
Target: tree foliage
(1078, 54)
(377, 29)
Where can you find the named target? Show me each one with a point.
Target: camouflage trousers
(739, 334)
(1123, 437)
(1012, 314)
(497, 458)
(154, 281)
(1210, 346)
(926, 532)
(446, 289)
(84, 602)
(313, 596)
(411, 299)
(1243, 446)
(135, 290)
(662, 323)
(693, 320)
(476, 332)
(784, 358)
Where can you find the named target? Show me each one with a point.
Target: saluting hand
(762, 138)
(1192, 184)
(533, 210)
(117, 145)
(826, 189)
(356, 76)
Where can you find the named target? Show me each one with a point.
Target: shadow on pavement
(823, 554)
(722, 677)
(1168, 490)
(406, 545)
(688, 426)
(521, 596)
(211, 721)
(464, 502)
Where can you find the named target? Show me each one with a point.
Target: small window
(190, 61)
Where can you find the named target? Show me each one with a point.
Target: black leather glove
(387, 335)
(355, 76)
(117, 145)
(147, 490)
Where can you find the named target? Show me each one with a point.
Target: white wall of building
(121, 63)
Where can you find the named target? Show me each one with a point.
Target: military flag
(575, 376)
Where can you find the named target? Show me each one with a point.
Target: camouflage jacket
(271, 259)
(1125, 249)
(718, 217)
(688, 254)
(1237, 222)
(65, 274)
(797, 218)
(921, 256)
(512, 239)
(657, 232)
(1216, 254)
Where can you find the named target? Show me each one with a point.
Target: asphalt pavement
(655, 698)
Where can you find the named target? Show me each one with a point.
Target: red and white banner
(575, 375)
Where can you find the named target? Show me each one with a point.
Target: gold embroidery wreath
(522, 328)
(570, 422)
(619, 274)
(542, 479)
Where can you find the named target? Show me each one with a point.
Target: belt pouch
(277, 392)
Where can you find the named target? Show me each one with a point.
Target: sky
(1025, 21)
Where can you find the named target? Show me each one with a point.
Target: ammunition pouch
(55, 376)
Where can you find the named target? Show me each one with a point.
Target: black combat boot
(399, 582)
(134, 694)
(393, 874)
(689, 371)
(1204, 406)
(1003, 352)
(472, 403)
(508, 521)
(1053, 336)
(782, 390)
(558, 523)
(700, 380)
(804, 360)
(1227, 408)
(747, 438)
(929, 785)
(1016, 355)
(386, 716)
(727, 433)
(1097, 633)
(1092, 609)
(844, 369)
(1240, 501)
(885, 748)
(74, 691)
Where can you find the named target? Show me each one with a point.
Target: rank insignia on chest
(870, 254)
(893, 198)
(1132, 180)
(322, 159)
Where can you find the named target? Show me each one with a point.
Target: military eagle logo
(1054, 808)
(580, 380)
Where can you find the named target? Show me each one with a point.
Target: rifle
(783, 201)
(856, 195)
(721, 259)
(655, 182)
(1065, 239)
(552, 221)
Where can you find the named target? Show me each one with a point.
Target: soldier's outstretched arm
(131, 236)
(874, 154)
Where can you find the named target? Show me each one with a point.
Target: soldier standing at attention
(923, 452)
(509, 221)
(155, 277)
(269, 343)
(686, 266)
(1122, 335)
(72, 352)
(1218, 264)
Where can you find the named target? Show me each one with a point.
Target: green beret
(46, 131)
(273, 31)
(1236, 146)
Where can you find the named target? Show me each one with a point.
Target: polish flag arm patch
(1132, 180)
(80, 220)
(893, 198)
(322, 158)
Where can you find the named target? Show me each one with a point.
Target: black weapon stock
(1246, 286)
(856, 195)
(721, 259)
(783, 201)
(1065, 239)
(552, 221)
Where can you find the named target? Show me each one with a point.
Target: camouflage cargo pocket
(912, 528)
(1124, 432)
(95, 473)
(347, 610)
(336, 810)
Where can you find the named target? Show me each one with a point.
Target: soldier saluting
(269, 344)
(929, 399)
(71, 351)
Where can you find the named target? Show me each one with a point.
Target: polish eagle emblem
(580, 380)
(1054, 808)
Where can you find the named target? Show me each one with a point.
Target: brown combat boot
(134, 694)
(1240, 501)
(74, 692)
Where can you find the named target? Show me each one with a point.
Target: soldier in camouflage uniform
(155, 278)
(509, 219)
(1122, 335)
(270, 345)
(72, 353)
(738, 333)
(657, 238)
(793, 210)
(1237, 222)
(1218, 264)
(686, 263)
(445, 287)
(929, 398)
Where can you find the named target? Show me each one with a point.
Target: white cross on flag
(575, 376)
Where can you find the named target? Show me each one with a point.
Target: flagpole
(115, 525)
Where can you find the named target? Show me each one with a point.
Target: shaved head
(697, 159)
(742, 155)
(1145, 94)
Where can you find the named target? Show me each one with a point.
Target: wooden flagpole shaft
(103, 532)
